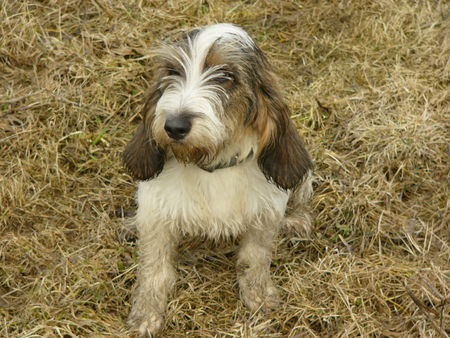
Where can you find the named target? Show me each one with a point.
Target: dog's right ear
(142, 156)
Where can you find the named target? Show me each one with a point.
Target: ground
(368, 86)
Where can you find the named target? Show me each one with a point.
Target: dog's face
(201, 79)
(213, 87)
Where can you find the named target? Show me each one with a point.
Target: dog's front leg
(253, 269)
(156, 277)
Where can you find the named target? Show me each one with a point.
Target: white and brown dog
(217, 156)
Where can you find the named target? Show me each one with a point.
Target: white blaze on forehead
(210, 34)
(200, 45)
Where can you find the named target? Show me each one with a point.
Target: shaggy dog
(217, 156)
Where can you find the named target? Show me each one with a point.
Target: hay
(368, 85)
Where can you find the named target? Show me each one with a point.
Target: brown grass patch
(367, 83)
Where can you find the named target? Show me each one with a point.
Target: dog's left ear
(142, 156)
(283, 157)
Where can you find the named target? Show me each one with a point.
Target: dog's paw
(146, 322)
(300, 224)
(259, 297)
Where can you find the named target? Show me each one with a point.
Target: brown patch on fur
(263, 123)
(283, 157)
(142, 156)
(215, 57)
(236, 107)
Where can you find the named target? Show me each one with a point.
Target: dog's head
(213, 89)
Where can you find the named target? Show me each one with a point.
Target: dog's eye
(224, 78)
(173, 72)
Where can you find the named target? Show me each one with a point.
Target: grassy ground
(368, 84)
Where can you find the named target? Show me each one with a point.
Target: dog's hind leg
(298, 217)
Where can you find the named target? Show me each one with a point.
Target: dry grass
(368, 83)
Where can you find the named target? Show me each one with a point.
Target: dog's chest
(217, 204)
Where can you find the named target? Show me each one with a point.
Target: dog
(216, 155)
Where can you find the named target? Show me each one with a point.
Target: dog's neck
(232, 162)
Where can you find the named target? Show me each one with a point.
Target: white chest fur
(219, 204)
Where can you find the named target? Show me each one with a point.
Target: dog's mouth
(200, 157)
(188, 154)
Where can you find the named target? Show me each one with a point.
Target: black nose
(177, 127)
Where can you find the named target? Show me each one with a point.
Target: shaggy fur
(217, 156)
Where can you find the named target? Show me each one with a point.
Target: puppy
(216, 156)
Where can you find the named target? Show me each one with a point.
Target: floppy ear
(142, 156)
(283, 157)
